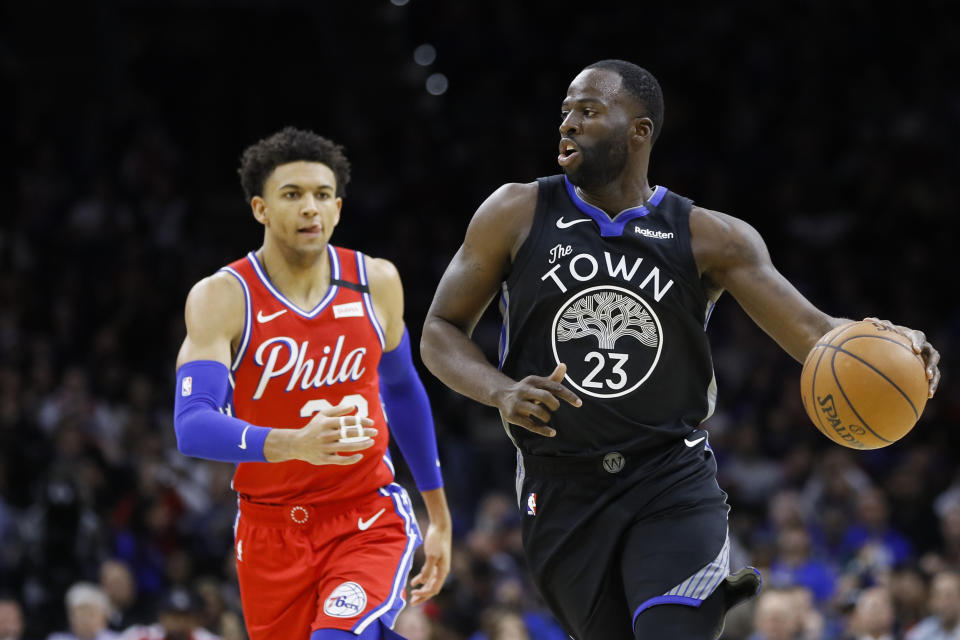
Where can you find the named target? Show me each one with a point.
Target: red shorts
(308, 567)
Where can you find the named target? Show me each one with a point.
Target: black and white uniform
(623, 511)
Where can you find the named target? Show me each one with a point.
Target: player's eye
(323, 195)
(290, 195)
(589, 113)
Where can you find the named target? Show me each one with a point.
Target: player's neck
(303, 278)
(617, 196)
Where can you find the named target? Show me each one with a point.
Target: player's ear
(259, 207)
(339, 202)
(642, 129)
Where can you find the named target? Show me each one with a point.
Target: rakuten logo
(656, 235)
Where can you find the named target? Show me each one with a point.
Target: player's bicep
(482, 262)
(746, 270)
(465, 291)
(214, 317)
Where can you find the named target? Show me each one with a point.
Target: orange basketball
(863, 386)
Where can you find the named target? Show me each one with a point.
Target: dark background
(832, 127)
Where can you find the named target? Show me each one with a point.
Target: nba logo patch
(346, 601)
(532, 504)
(186, 387)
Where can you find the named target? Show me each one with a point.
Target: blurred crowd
(840, 149)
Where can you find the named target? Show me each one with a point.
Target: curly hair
(641, 85)
(290, 145)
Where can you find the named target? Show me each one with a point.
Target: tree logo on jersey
(346, 601)
(608, 316)
(610, 339)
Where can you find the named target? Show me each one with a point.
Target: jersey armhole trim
(697, 280)
(247, 318)
(368, 299)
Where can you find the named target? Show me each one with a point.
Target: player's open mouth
(313, 230)
(568, 152)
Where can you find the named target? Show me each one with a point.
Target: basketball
(863, 386)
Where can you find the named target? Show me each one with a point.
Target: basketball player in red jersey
(288, 354)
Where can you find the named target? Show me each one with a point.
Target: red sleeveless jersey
(291, 363)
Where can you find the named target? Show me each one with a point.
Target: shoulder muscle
(386, 289)
(494, 235)
(214, 315)
(502, 222)
(722, 242)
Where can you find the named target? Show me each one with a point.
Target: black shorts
(609, 537)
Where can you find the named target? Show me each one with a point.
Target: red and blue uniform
(325, 546)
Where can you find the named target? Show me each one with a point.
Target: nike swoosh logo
(263, 318)
(363, 526)
(563, 225)
(243, 438)
(693, 443)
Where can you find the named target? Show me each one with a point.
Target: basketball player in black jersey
(606, 285)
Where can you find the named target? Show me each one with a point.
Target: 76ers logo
(346, 601)
(610, 339)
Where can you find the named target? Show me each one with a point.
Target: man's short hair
(290, 145)
(642, 85)
(83, 593)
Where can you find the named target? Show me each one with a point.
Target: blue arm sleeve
(204, 432)
(409, 416)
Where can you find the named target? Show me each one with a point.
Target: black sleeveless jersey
(621, 303)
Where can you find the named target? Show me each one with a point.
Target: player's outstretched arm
(731, 255)
(471, 280)
(411, 423)
(214, 317)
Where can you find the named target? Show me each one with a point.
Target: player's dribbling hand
(329, 434)
(922, 347)
(528, 403)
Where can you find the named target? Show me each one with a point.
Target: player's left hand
(929, 355)
(436, 565)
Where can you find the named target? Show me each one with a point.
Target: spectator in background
(216, 617)
(11, 542)
(811, 622)
(948, 498)
(502, 624)
(414, 624)
(88, 609)
(11, 619)
(512, 594)
(871, 539)
(947, 556)
(753, 476)
(118, 584)
(944, 621)
(178, 618)
(794, 564)
(775, 617)
(873, 616)
(950, 531)
(835, 482)
(909, 591)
